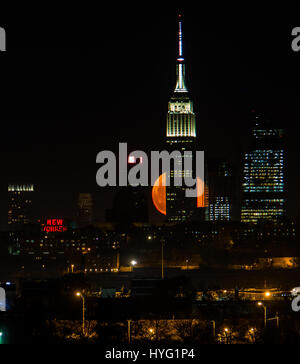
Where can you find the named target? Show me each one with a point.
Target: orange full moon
(159, 194)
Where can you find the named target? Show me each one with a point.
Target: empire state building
(181, 136)
(181, 122)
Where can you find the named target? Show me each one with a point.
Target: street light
(267, 294)
(129, 331)
(265, 313)
(214, 327)
(151, 333)
(227, 335)
(79, 294)
(271, 318)
(252, 334)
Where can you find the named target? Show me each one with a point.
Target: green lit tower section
(181, 122)
(264, 185)
(181, 136)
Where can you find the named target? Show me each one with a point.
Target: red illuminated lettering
(54, 226)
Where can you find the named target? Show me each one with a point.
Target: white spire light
(180, 84)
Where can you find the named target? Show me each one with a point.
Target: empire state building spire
(180, 66)
(181, 121)
(181, 136)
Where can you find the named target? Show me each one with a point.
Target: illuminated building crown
(180, 66)
(181, 118)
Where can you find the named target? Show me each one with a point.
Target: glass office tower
(264, 184)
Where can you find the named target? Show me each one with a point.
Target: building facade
(264, 182)
(19, 205)
(85, 210)
(221, 190)
(181, 136)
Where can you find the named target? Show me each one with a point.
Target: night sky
(78, 81)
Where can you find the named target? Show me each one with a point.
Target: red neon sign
(54, 226)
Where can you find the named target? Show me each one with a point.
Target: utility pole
(129, 331)
(214, 328)
(81, 295)
(162, 259)
(265, 312)
(275, 318)
(118, 260)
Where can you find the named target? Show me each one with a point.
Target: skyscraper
(85, 210)
(220, 191)
(181, 136)
(264, 184)
(19, 205)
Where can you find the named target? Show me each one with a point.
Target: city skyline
(103, 99)
(52, 152)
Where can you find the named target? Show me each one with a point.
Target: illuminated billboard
(54, 226)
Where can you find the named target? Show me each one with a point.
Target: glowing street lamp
(151, 332)
(227, 334)
(265, 312)
(133, 263)
(252, 334)
(267, 294)
(79, 294)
